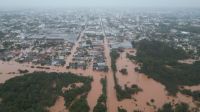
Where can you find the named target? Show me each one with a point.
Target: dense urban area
(100, 60)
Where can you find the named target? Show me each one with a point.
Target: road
(112, 102)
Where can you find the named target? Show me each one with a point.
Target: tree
(183, 107)
(166, 108)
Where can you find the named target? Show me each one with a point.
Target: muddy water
(96, 87)
(70, 57)
(59, 105)
(69, 87)
(95, 92)
(151, 88)
(112, 102)
(93, 95)
(12, 67)
(193, 88)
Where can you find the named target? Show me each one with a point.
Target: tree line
(36, 91)
(160, 62)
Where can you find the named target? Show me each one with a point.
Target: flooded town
(81, 42)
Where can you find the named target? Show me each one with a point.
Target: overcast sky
(100, 3)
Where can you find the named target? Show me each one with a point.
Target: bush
(124, 71)
(114, 56)
(166, 108)
(121, 109)
(80, 105)
(127, 92)
(182, 107)
(195, 94)
(23, 71)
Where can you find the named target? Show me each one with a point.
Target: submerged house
(100, 67)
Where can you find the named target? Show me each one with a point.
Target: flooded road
(76, 45)
(96, 88)
(10, 69)
(112, 102)
(152, 90)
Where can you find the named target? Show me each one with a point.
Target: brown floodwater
(193, 88)
(10, 69)
(59, 105)
(70, 57)
(112, 102)
(69, 87)
(151, 88)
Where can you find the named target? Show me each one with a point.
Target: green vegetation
(100, 107)
(114, 56)
(124, 71)
(195, 94)
(2, 35)
(148, 50)
(198, 51)
(36, 91)
(131, 57)
(7, 44)
(80, 105)
(182, 107)
(89, 42)
(101, 103)
(159, 61)
(23, 71)
(75, 92)
(134, 43)
(121, 109)
(166, 108)
(127, 92)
